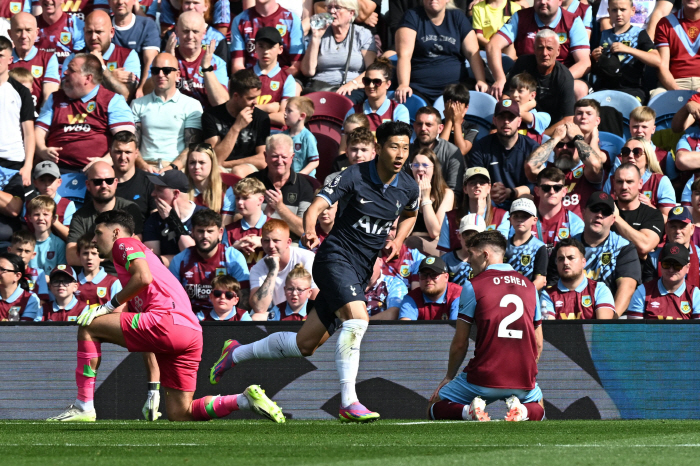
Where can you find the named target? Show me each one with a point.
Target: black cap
(609, 65)
(674, 252)
(434, 264)
(601, 198)
(269, 34)
(173, 179)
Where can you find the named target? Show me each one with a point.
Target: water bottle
(160, 164)
(321, 20)
(13, 314)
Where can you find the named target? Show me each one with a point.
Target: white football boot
(516, 410)
(477, 410)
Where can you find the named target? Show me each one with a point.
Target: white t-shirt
(16, 106)
(296, 256)
(295, 6)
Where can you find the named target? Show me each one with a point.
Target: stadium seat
(506, 62)
(229, 179)
(413, 103)
(73, 187)
(330, 106)
(484, 126)
(611, 143)
(439, 105)
(327, 128)
(481, 105)
(327, 152)
(669, 102)
(624, 103)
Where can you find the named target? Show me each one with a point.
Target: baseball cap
(269, 34)
(434, 264)
(476, 171)
(64, 269)
(601, 198)
(675, 252)
(472, 222)
(524, 205)
(680, 214)
(507, 106)
(173, 179)
(46, 168)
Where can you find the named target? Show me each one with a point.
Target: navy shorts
(338, 284)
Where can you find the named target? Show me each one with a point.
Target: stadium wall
(619, 370)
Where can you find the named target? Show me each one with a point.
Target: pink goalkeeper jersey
(163, 296)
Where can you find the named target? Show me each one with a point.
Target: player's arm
(404, 228)
(141, 277)
(309, 238)
(539, 341)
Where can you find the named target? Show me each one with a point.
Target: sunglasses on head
(376, 82)
(155, 70)
(99, 181)
(637, 151)
(551, 187)
(196, 146)
(229, 294)
(676, 266)
(601, 209)
(565, 145)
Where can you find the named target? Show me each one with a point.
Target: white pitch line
(536, 445)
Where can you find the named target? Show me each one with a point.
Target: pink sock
(535, 412)
(217, 407)
(84, 373)
(446, 410)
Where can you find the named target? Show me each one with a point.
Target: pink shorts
(178, 349)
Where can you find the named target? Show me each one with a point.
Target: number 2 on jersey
(503, 330)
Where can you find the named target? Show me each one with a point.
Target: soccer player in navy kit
(370, 197)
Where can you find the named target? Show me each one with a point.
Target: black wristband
(115, 302)
(153, 386)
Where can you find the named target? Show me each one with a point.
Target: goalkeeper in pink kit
(159, 320)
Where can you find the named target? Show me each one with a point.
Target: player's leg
(460, 400)
(150, 408)
(181, 407)
(526, 405)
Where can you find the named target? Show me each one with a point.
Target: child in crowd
(383, 291)
(350, 124)
(643, 125)
(362, 147)
(25, 78)
(47, 179)
(456, 99)
(225, 294)
(457, 260)
(488, 16)
(324, 224)
(65, 307)
(297, 290)
(277, 84)
(298, 112)
(523, 89)
(23, 244)
(525, 253)
(50, 249)
(17, 303)
(244, 234)
(95, 286)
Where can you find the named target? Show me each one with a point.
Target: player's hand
(208, 53)
(171, 44)
(436, 394)
(310, 241)
(88, 315)
(244, 118)
(391, 249)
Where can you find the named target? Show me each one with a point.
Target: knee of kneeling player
(306, 350)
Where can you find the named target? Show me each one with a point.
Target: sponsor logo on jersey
(91, 107)
(274, 85)
(15, 7)
(562, 37)
(606, 258)
(37, 71)
(559, 304)
(525, 260)
(111, 65)
(101, 292)
(586, 301)
(376, 226)
(282, 29)
(685, 307)
(65, 38)
(655, 304)
(72, 5)
(74, 119)
(563, 233)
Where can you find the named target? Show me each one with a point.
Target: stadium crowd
(204, 120)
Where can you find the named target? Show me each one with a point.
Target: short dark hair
(457, 92)
(428, 110)
(570, 243)
(629, 166)
(360, 135)
(588, 103)
(696, 185)
(5, 44)
(244, 80)
(125, 137)
(227, 282)
(85, 242)
(550, 173)
(206, 218)
(491, 238)
(20, 237)
(91, 66)
(117, 217)
(523, 80)
(392, 128)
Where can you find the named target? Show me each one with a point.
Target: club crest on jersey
(101, 292)
(220, 271)
(677, 210)
(50, 254)
(647, 194)
(297, 146)
(91, 107)
(291, 198)
(274, 85)
(282, 29)
(685, 307)
(404, 271)
(586, 301)
(693, 32)
(444, 316)
(606, 258)
(398, 208)
(525, 260)
(563, 233)
(15, 7)
(111, 65)
(65, 38)
(577, 173)
(562, 37)
(37, 71)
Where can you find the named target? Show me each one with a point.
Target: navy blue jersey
(367, 208)
(460, 271)
(530, 258)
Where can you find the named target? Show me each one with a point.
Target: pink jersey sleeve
(126, 250)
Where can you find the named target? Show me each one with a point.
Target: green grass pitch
(329, 442)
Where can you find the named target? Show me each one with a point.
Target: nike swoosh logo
(362, 201)
(494, 163)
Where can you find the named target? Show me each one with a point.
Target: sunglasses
(417, 165)
(637, 151)
(7, 270)
(376, 82)
(604, 211)
(565, 145)
(428, 275)
(61, 282)
(551, 187)
(155, 70)
(99, 181)
(229, 294)
(197, 146)
(292, 290)
(676, 266)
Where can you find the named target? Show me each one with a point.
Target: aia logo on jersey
(370, 226)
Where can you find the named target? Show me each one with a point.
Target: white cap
(472, 222)
(524, 205)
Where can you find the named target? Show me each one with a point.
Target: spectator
(337, 55)
(278, 85)
(297, 113)
(364, 141)
(587, 118)
(643, 125)
(65, 305)
(50, 249)
(47, 180)
(138, 33)
(206, 187)
(670, 297)
(377, 106)
(288, 195)
(610, 258)
(16, 301)
(488, 16)
(268, 277)
(523, 91)
(59, 32)
(404, 265)
(237, 130)
(102, 186)
(657, 189)
(77, 121)
(582, 166)
(522, 31)
(196, 266)
(504, 154)
(456, 99)
(245, 234)
(625, 50)
(11, 203)
(555, 83)
(575, 296)
(436, 198)
(167, 231)
(133, 184)
(433, 37)
(427, 129)
(695, 210)
(525, 253)
(7, 10)
(95, 286)
(457, 260)
(662, 8)
(324, 224)
(297, 289)
(679, 68)
(224, 297)
(166, 120)
(555, 222)
(16, 123)
(23, 244)
(42, 64)
(266, 13)
(638, 222)
(383, 291)
(203, 75)
(216, 13)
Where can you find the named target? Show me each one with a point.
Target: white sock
(465, 414)
(243, 402)
(347, 358)
(275, 346)
(84, 405)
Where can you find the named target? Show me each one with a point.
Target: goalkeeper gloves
(88, 315)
